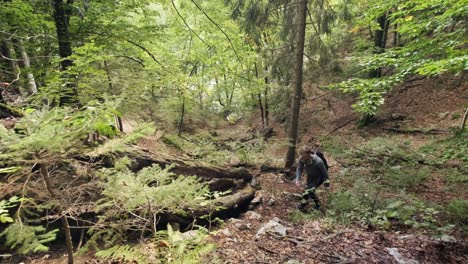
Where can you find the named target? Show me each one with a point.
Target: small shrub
(457, 211)
(405, 177)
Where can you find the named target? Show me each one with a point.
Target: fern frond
(123, 253)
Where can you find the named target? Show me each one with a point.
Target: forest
(200, 131)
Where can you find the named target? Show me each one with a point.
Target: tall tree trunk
(25, 64)
(380, 41)
(62, 10)
(294, 120)
(266, 104)
(66, 227)
(10, 62)
(259, 98)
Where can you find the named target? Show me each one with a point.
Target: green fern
(25, 239)
(123, 253)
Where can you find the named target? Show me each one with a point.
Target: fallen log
(189, 167)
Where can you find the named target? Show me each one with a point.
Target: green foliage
(25, 239)
(4, 205)
(123, 253)
(453, 148)
(168, 246)
(432, 39)
(133, 201)
(182, 249)
(153, 186)
(457, 211)
(408, 177)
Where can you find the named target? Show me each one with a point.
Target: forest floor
(311, 238)
(314, 237)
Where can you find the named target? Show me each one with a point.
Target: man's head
(305, 152)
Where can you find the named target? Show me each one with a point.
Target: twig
(268, 250)
(147, 52)
(341, 126)
(187, 25)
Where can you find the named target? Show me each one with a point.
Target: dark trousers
(309, 193)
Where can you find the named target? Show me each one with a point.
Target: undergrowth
(382, 183)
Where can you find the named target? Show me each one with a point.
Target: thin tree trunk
(259, 98)
(181, 118)
(266, 94)
(294, 122)
(63, 218)
(25, 64)
(463, 123)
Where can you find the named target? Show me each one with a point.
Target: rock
(448, 239)
(293, 261)
(397, 167)
(189, 234)
(399, 258)
(258, 199)
(243, 226)
(271, 201)
(253, 215)
(405, 237)
(225, 232)
(234, 220)
(273, 226)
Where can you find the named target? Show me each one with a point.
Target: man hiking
(316, 175)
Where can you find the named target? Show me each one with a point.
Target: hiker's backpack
(322, 157)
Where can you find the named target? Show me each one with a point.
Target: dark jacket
(315, 169)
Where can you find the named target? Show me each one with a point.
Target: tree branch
(187, 25)
(216, 24)
(147, 52)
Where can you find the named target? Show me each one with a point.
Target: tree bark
(260, 103)
(294, 120)
(380, 41)
(25, 64)
(62, 10)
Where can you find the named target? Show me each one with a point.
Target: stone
(258, 199)
(271, 201)
(448, 239)
(253, 215)
(225, 232)
(399, 258)
(273, 226)
(243, 226)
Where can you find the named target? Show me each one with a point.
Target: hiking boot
(303, 207)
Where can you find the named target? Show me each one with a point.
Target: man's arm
(300, 167)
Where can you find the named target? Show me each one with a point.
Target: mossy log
(8, 111)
